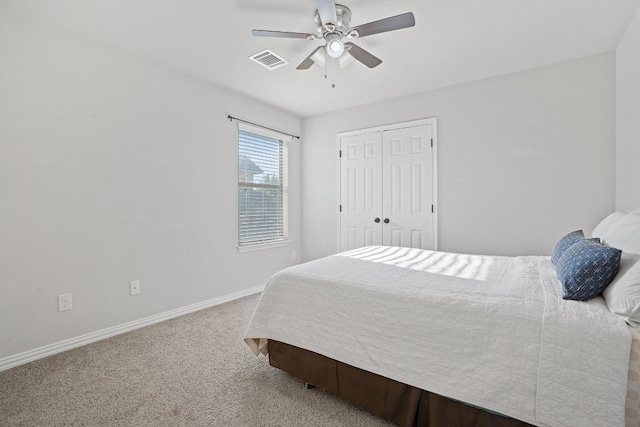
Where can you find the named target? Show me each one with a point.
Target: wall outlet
(64, 302)
(294, 256)
(134, 287)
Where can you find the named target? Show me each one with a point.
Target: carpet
(194, 370)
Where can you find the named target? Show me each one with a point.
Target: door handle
(377, 220)
(386, 220)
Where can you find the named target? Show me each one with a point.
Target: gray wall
(113, 169)
(522, 158)
(628, 118)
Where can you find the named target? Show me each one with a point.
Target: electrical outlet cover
(134, 287)
(64, 302)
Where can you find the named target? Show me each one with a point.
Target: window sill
(260, 246)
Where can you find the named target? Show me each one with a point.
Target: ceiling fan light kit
(333, 24)
(335, 47)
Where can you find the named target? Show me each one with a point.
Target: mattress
(493, 331)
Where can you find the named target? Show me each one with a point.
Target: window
(262, 187)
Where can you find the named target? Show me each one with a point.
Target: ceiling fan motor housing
(343, 15)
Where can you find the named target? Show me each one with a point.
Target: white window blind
(262, 187)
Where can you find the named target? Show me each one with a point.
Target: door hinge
(340, 208)
(432, 209)
(340, 153)
(431, 142)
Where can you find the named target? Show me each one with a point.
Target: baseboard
(48, 350)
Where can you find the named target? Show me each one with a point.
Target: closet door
(408, 187)
(361, 191)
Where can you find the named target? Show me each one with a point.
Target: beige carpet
(194, 370)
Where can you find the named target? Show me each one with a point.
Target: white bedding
(490, 331)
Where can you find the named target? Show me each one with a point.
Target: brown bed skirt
(402, 404)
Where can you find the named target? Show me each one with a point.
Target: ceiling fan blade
(397, 22)
(327, 12)
(283, 34)
(362, 55)
(318, 55)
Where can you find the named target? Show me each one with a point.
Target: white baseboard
(48, 350)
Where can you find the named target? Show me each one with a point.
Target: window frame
(282, 186)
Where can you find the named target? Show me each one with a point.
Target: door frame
(433, 121)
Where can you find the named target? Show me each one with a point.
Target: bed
(433, 338)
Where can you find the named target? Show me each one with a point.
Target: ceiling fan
(332, 22)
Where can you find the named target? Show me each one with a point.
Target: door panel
(417, 238)
(394, 236)
(395, 189)
(417, 190)
(407, 187)
(361, 191)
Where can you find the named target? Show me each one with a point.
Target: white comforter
(490, 331)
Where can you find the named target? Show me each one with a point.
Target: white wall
(113, 169)
(522, 158)
(628, 118)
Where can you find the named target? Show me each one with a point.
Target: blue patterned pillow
(565, 243)
(586, 268)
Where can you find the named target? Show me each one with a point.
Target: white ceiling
(453, 41)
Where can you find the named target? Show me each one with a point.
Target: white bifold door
(386, 188)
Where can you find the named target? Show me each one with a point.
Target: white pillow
(620, 230)
(623, 293)
(607, 225)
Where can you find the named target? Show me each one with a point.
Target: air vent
(269, 59)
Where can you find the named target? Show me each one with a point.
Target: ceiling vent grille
(269, 59)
